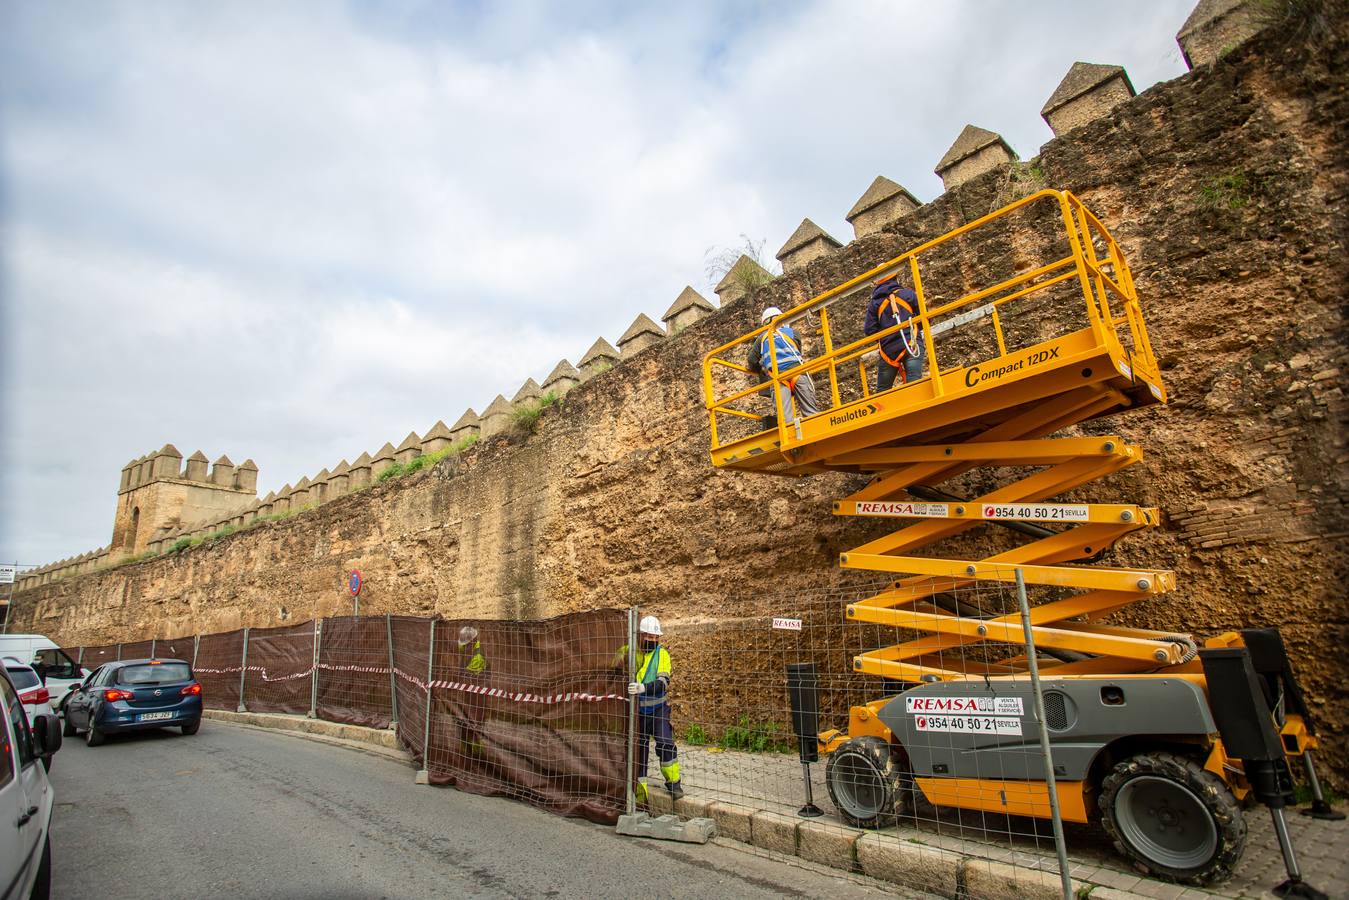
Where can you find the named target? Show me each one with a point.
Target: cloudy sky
(295, 231)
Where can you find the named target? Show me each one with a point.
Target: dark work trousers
(655, 723)
(885, 373)
(472, 713)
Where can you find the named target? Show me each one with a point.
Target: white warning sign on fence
(785, 624)
(968, 724)
(998, 706)
(8, 573)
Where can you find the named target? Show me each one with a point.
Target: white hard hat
(649, 625)
(771, 312)
(467, 634)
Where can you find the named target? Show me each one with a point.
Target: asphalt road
(241, 813)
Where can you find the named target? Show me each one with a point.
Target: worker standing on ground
(783, 345)
(652, 689)
(893, 305)
(474, 704)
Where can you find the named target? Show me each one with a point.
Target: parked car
(33, 693)
(58, 671)
(26, 796)
(134, 695)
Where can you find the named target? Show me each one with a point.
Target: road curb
(883, 857)
(377, 742)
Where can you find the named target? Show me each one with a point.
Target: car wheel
(42, 885)
(67, 729)
(192, 727)
(93, 737)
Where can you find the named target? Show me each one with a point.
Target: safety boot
(675, 789)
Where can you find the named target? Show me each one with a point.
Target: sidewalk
(1008, 846)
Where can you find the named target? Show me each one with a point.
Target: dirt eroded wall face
(1227, 190)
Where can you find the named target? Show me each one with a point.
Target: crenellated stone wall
(1226, 188)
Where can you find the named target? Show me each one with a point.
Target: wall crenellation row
(1087, 92)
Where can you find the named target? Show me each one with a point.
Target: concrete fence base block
(733, 820)
(774, 831)
(827, 844)
(911, 865)
(667, 828)
(423, 777)
(987, 880)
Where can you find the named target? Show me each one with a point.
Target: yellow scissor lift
(1051, 339)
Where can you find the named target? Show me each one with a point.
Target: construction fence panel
(139, 649)
(544, 721)
(219, 662)
(354, 671)
(411, 657)
(280, 669)
(732, 719)
(98, 655)
(176, 648)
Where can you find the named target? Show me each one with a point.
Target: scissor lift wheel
(1173, 818)
(869, 782)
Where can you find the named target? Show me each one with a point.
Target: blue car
(134, 695)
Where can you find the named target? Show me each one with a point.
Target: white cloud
(296, 232)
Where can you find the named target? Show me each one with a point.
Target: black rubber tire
(93, 737)
(192, 728)
(42, 885)
(880, 772)
(67, 729)
(1208, 790)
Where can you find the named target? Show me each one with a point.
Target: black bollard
(803, 687)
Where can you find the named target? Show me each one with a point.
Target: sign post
(354, 585)
(8, 575)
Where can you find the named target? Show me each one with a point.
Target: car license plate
(148, 717)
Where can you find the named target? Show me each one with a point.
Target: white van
(60, 671)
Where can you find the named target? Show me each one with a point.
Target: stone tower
(158, 494)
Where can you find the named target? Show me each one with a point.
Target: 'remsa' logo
(1003, 706)
(914, 510)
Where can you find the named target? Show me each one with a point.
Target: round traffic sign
(354, 582)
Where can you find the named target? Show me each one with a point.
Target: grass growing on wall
(427, 460)
(526, 415)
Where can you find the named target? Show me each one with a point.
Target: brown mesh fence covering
(97, 656)
(542, 718)
(545, 720)
(138, 650)
(176, 648)
(280, 663)
(354, 671)
(411, 654)
(219, 661)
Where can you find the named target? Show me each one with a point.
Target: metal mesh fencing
(98, 655)
(353, 676)
(411, 638)
(732, 718)
(219, 662)
(280, 669)
(138, 650)
(176, 648)
(535, 711)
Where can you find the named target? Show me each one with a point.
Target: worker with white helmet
(473, 703)
(781, 345)
(652, 688)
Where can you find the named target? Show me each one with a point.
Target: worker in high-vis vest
(473, 705)
(652, 691)
(782, 346)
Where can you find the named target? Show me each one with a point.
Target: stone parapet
(882, 203)
(808, 243)
(687, 308)
(1088, 92)
(1216, 27)
(975, 151)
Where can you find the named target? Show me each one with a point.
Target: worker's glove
(636, 687)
